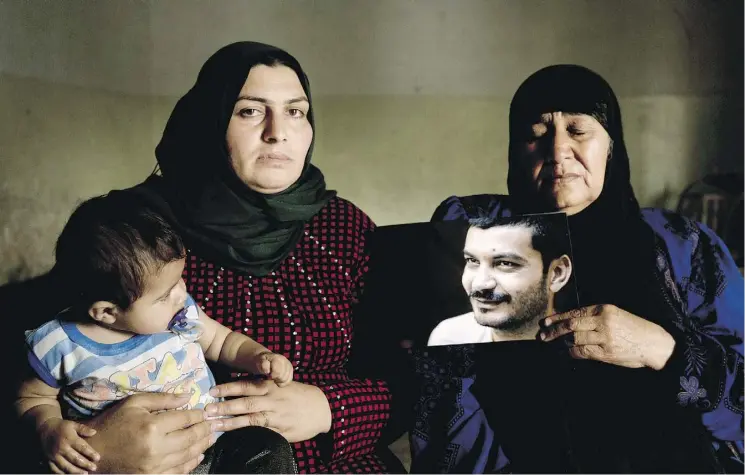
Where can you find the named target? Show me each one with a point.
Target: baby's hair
(111, 246)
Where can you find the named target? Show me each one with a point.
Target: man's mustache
(490, 296)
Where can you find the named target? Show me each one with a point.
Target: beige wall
(398, 157)
(59, 144)
(403, 122)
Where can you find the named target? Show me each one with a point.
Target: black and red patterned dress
(303, 311)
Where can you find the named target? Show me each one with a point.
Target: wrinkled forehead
(570, 117)
(532, 111)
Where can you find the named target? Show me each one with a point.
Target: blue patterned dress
(702, 284)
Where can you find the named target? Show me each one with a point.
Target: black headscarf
(620, 419)
(612, 223)
(219, 216)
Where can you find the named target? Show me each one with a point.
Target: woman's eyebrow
(267, 101)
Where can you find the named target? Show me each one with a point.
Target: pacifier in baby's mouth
(186, 325)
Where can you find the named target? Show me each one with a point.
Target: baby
(131, 327)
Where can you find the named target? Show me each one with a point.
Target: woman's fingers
(574, 313)
(196, 438)
(592, 311)
(259, 419)
(582, 338)
(194, 443)
(154, 402)
(241, 388)
(586, 352)
(237, 407)
(171, 421)
(55, 469)
(564, 327)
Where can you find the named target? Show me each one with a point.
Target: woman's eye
(296, 113)
(248, 112)
(574, 130)
(506, 264)
(471, 261)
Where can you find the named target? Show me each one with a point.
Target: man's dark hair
(550, 232)
(111, 246)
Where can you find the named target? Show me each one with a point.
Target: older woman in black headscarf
(658, 340)
(272, 254)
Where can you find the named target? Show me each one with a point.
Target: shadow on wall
(717, 144)
(662, 200)
(17, 273)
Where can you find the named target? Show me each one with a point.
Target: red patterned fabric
(302, 310)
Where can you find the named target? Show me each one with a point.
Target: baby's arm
(241, 352)
(61, 440)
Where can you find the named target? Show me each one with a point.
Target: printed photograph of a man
(516, 272)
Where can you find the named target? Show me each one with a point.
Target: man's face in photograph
(504, 277)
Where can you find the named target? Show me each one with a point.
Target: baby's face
(164, 297)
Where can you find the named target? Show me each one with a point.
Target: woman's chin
(570, 201)
(571, 207)
(271, 183)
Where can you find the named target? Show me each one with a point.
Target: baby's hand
(277, 367)
(64, 447)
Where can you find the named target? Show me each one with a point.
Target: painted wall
(411, 96)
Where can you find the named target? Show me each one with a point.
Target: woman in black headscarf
(272, 254)
(659, 336)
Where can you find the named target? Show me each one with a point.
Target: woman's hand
(297, 411)
(133, 437)
(612, 335)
